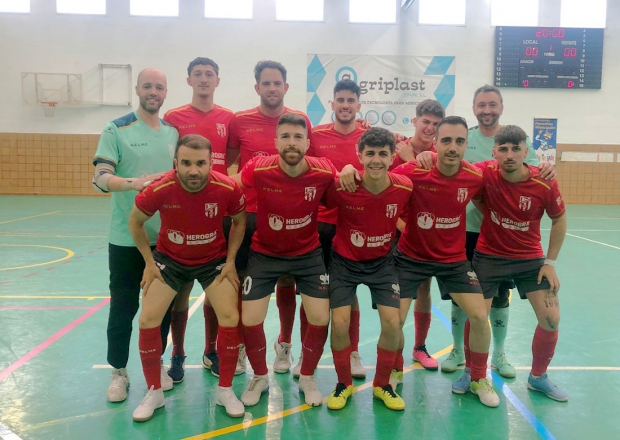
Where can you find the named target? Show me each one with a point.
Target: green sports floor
(53, 372)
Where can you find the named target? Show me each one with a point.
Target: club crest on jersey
(462, 195)
(525, 203)
(177, 237)
(310, 193)
(210, 209)
(221, 129)
(276, 222)
(390, 210)
(358, 238)
(426, 220)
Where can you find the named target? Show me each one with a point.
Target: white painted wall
(44, 41)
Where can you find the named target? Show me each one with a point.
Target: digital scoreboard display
(548, 57)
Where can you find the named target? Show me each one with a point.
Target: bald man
(133, 151)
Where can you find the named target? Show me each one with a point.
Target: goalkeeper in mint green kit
(488, 107)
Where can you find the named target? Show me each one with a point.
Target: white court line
(7, 434)
(594, 241)
(589, 230)
(575, 368)
(192, 309)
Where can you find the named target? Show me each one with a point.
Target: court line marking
(589, 230)
(51, 236)
(88, 297)
(593, 241)
(26, 218)
(43, 307)
(49, 341)
(7, 434)
(66, 257)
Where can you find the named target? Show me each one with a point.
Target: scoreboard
(548, 57)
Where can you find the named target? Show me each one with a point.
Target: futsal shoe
(210, 361)
(455, 359)
(226, 398)
(396, 378)
(338, 398)
(485, 392)
(389, 397)
(462, 385)
(428, 362)
(241, 361)
(117, 391)
(312, 395)
(176, 371)
(166, 381)
(154, 399)
(543, 385)
(254, 390)
(358, 371)
(297, 369)
(499, 363)
(282, 362)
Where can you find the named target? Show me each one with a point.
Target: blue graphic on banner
(439, 66)
(545, 139)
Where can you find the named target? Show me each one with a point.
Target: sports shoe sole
(145, 419)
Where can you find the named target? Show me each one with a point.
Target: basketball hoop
(48, 108)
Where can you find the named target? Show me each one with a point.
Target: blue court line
(528, 415)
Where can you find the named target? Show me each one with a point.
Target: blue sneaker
(544, 385)
(210, 361)
(176, 371)
(462, 385)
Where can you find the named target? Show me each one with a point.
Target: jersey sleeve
(247, 174)
(555, 204)
(237, 201)
(406, 169)
(330, 198)
(531, 158)
(149, 201)
(108, 150)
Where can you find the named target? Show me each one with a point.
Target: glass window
(514, 12)
(372, 11)
(229, 9)
(14, 5)
(154, 8)
(294, 10)
(587, 14)
(442, 12)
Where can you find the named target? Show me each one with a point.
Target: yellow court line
(66, 257)
(25, 218)
(291, 411)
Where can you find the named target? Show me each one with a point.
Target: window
(294, 10)
(442, 12)
(514, 12)
(80, 7)
(587, 14)
(228, 9)
(14, 5)
(154, 8)
(372, 11)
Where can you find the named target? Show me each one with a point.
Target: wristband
(549, 262)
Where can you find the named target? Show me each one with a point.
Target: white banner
(391, 86)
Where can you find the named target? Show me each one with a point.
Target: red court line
(5, 282)
(29, 275)
(43, 307)
(45, 344)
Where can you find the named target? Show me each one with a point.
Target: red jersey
(512, 212)
(254, 134)
(415, 155)
(286, 217)
(366, 221)
(435, 228)
(185, 235)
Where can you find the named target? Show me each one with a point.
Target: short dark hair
(193, 141)
(486, 89)
(430, 107)
(268, 64)
(510, 134)
(293, 119)
(452, 120)
(202, 61)
(347, 84)
(377, 137)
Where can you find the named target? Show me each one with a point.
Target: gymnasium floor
(53, 372)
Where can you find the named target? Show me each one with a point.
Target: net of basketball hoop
(48, 108)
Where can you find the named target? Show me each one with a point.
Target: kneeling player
(361, 255)
(190, 247)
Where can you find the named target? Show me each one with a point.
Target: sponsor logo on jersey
(201, 238)
(298, 223)
(221, 129)
(242, 199)
(379, 240)
(272, 190)
(462, 195)
(172, 206)
(559, 200)
(177, 237)
(211, 209)
(276, 222)
(508, 223)
(310, 193)
(525, 203)
(358, 238)
(260, 154)
(390, 210)
(426, 220)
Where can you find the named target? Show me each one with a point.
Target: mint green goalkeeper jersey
(134, 150)
(479, 149)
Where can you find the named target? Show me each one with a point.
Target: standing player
(286, 242)
(189, 247)
(361, 254)
(133, 151)
(202, 116)
(252, 135)
(488, 106)
(514, 200)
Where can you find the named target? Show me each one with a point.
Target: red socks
(342, 362)
(303, 324)
(399, 361)
(227, 351)
(210, 328)
(149, 344)
(354, 330)
(478, 369)
(466, 344)
(178, 323)
(312, 348)
(422, 323)
(543, 348)
(286, 302)
(385, 362)
(256, 348)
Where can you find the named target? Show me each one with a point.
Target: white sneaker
(485, 392)
(154, 399)
(117, 391)
(166, 381)
(226, 398)
(297, 369)
(358, 371)
(255, 388)
(312, 395)
(283, 360)
(241, 361)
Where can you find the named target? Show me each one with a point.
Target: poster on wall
(391, 86)
(545, 139)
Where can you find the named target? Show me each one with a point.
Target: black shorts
(471, 241)
(241, 261)
(456, 277)
(492, 271)
(327, 232)
(264, 270)
(177, 275)
(379, 275)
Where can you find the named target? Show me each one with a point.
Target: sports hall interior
(53, 229)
